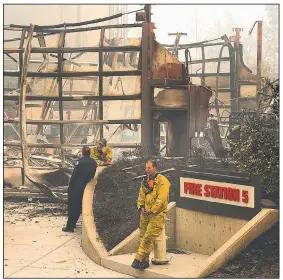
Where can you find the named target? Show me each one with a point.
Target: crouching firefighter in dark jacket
(84, 171)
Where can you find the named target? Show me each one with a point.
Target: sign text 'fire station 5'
(231, 194)
(219, 192)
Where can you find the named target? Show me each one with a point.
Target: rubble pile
(55, 177)
(21, 211)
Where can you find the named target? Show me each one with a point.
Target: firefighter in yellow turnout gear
(152, 204)
(101, 153)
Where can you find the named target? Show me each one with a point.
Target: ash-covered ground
(29, 211)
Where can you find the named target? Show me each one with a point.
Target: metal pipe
(259, 54)
(73, 97)
(69, 146)
(75, 74)
(40, 27)
(217, 81)
(75, 50)
(52, 31)
(98, 122)
(61, 43)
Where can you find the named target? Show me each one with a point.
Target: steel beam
(100, 88)
(55, 31)
(70, 146)
(61, 42)
(50, 32)
(259, 54)
(202, 66)
(75, 74)
(22, 103)
(74, 97)
(98, 122)
(190, 46)
(210, 60)
(210, 75)
(76, 50)
(146, 101)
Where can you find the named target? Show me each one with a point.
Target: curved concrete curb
(91, 243)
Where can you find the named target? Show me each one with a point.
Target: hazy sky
(188, 18)
(167, 18)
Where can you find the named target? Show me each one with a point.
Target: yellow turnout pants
(150, 229)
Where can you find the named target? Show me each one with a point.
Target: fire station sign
(218, 192)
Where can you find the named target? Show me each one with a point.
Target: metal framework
(59, 74)
(231, 74)
(192, 115)
(232, 92)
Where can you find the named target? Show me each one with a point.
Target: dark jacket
(84, 171)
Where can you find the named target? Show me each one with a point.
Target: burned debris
(144, 97)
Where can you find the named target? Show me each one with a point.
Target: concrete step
(179, 266)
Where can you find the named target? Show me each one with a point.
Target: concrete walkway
(37, 248)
